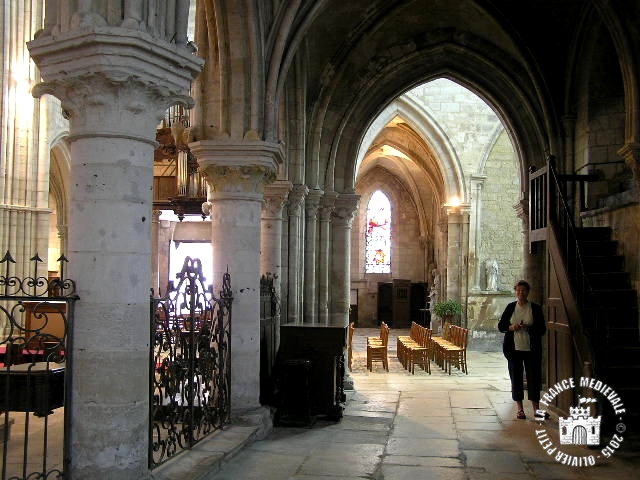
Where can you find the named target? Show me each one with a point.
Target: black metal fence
(269, 324)
(36, 313)
(190, 370)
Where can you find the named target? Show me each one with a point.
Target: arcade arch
(437, 142)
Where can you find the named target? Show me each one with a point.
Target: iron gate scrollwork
(36, 315)
(190, 364)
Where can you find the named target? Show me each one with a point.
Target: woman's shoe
(521, 415)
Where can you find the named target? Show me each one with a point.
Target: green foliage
(447, 308)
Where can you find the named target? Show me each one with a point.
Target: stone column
(167, 227)
(24, 162)
(475, 232)
(155, 257)
(275, 196)
(533, 261)
(327, 204)
(294, 210)
(115, 85)
(345, 209)
(457, 253)
(312, 203)
(237, 173)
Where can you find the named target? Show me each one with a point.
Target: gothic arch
(510, 93)
(619, 28)
(434, 140)
(58, 187)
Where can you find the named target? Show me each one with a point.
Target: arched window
(378, 234)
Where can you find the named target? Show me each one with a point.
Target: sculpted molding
(242, 179)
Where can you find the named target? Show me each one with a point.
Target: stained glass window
(378, 234)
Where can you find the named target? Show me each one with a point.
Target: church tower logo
(580, 428)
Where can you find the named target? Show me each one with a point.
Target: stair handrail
(575, 286)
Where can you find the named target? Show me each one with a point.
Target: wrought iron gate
(36, 314)
(190, 363)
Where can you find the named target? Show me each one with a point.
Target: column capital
(477, 181)
(275, 196)
(99, 73)
(239, 169)
(312, 203)
(327, 205)
(296, 197)
(522, 208)
(456, 213)
(345, 208)
(631, 154)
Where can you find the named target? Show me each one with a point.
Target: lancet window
(378, 234)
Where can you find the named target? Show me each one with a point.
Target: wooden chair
(456, 353)
(377, 339)
(404, 340)
(377, 351)
(420, 353)
(440, 342)
(352, 328)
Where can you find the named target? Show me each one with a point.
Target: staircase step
(614, 317)
(619, 377)
(617, 337)
(619, 355)
(618, 297)
(595, 234)
(599, 248)
(599, 280)
(603, 263)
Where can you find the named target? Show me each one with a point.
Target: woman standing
(523, 324)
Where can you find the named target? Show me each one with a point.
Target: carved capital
(239, 169)
(522, 209)
(345, 208)
(242, 182)
(107, 105)
(275, 196)
(296, 197)
(327, 205)
(312, 203)
(110, 75)
(631, 154)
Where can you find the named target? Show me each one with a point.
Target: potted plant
(448, 309)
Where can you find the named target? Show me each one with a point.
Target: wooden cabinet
(323, 347)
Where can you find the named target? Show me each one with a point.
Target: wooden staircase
(594, 306)
(610, 316)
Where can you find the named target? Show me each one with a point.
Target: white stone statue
(492, 272)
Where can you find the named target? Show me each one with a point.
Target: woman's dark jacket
(536, 330)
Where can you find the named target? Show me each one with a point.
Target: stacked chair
(377, 348)
(451, 348)
(415, 349)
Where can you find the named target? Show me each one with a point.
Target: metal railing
(190, 368)
(36, 314)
